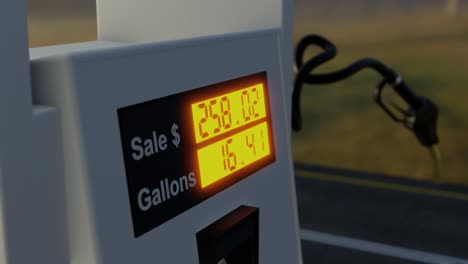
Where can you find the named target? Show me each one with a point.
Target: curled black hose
(329, 52)
(421, 117)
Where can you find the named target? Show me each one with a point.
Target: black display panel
(184, 148)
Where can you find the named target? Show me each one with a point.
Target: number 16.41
(231, 154)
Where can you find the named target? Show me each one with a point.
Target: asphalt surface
(318, 253)
(410, 214)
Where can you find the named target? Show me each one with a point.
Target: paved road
(432, 218)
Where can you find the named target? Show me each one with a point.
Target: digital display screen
(218, 115)
(181, 149)
(233, 153)
(227, 112)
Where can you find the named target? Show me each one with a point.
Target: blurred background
(426, 41)
(359, 174)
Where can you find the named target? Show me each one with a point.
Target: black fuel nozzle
(421, 115)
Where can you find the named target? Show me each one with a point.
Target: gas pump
(165, 141)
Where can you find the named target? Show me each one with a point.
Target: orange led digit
(231, 154)
(226, 112)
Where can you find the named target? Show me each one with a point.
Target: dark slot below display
(232, 239)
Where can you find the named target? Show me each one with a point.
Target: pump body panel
(89, 86)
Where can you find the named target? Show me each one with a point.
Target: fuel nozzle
(420, 117)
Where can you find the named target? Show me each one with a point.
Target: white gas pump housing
(166, 140)
(149, 21)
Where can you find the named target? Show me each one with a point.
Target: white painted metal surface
(87, 88)
(31, 217)
(142, 21)
(53, 169)
(15, 118)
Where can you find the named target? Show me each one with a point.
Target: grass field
(344, 128)
(53, 29)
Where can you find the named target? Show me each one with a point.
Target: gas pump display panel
(181, 149)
